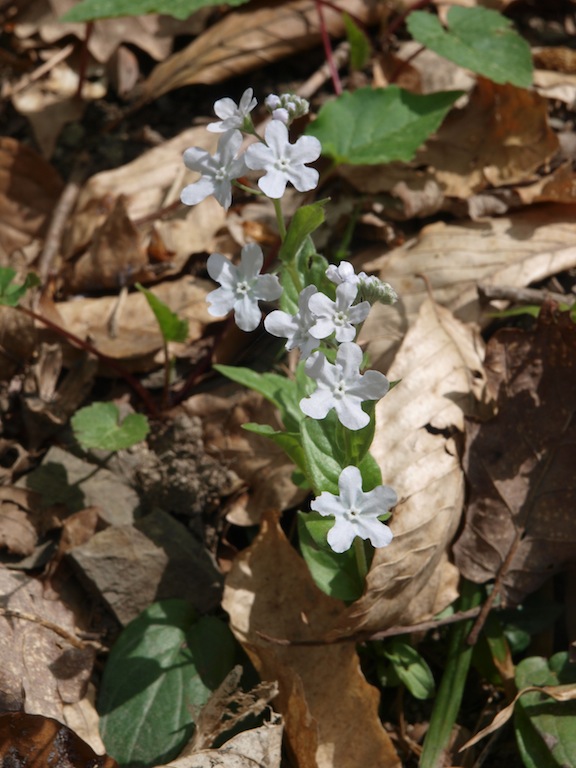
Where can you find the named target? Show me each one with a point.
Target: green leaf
(479, 39)
(451, 689)
(379, 125)
(159, 674)
(360, 48)
(10, 293)
(335, 573)
(545, 728)
(172, 327)
(279, 390)
(411, 668)
(97, 426)
(306, 220)
(90, 10)
(324, 458)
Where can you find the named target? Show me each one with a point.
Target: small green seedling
(98, 426)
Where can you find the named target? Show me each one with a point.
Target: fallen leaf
(258, 747)
(29, 190)
(520, 522)
(330, 711)
(246, 39)
(36, 741)
(41, 669)
(417, 442)
(263, 466)
(513, 251)
(483, 145)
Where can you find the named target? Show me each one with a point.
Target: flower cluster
(320, 323)
(281, 161)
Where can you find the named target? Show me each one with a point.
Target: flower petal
(251, 261)
(307, 149)
(268, 288)
(379, 533)
(322, 328)
(258, 157)
(222, 270)
(273, 184)
(195, 193)
(281, 324)
(327, 504)
(247, 313)
(276, 135)
(349, 357)
(341, 536)
(371, 386)
(350, 413)
(318, 404)
(197, 159)
(220, 302)
(302, 178)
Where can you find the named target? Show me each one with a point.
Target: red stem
(142, 393)
(328, 49)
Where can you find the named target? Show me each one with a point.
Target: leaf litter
(162, 519)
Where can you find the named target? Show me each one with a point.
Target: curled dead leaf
(330, 711)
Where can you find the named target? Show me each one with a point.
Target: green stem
(451, 690)
(361, 561)
(279, 218)
(166, 392)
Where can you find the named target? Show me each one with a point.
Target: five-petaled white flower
(295, 328)
(233, 116)
(341, 386)
(241, 287)
(338, 316)
(284, 162)
(356, 512)
(218, 171)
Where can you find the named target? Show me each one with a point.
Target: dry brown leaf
(126, 328)
(520, 519)
(40, 671)
(439, 366)
(147, 185)
(29, 190)
(252, 37)
(499, 138)
(513, 251)
(36, 741)
(263, 466)
(258, 747)
(330, 711)
(151, 33)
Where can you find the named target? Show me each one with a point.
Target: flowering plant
(328, 407)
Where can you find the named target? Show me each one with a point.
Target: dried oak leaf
(42, 665)
(247, 39)
(35, 741)
(520, 465)
(330, 711)
(418, 428)
(510, 250)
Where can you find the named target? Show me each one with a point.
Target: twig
(423, 626)
(27, 80)
(522, 295)
(9, 613)
(60, 217)
(109, 361)
(317, 80)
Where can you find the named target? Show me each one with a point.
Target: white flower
(343, 273)
(370, 288)
(284, 162)
(341, 386)
(218, 171)
(241, 287)
(295, 328)
(233, 116)
(338, 316)
(356, 512)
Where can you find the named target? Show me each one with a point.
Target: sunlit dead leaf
(513, 250)
(417, 443)
(258, 747)
(252, 37)
(330, 711)
(519, 465)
